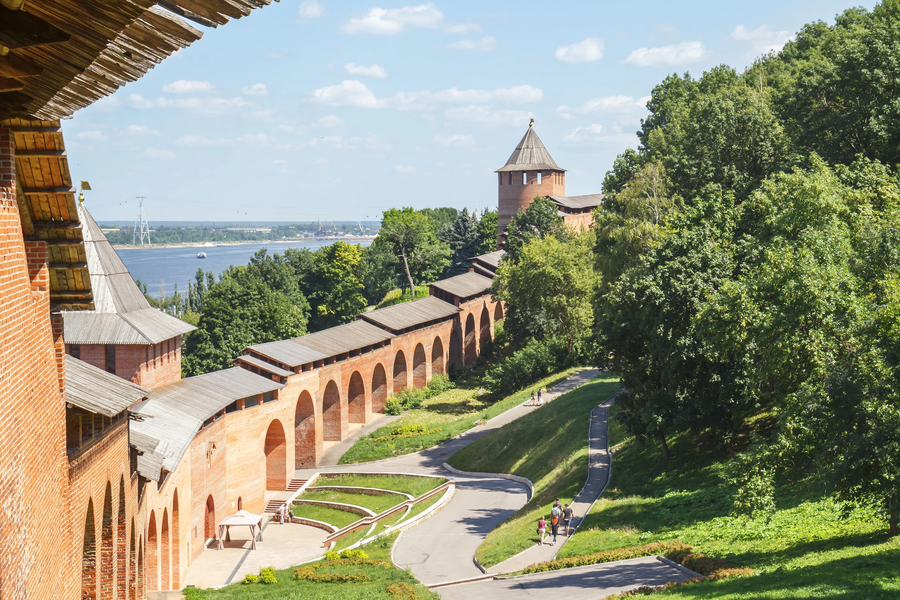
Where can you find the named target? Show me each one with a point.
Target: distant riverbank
(323, 241)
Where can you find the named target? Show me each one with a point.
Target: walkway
(583, 583)
(598, 477)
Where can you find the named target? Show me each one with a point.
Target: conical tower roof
(121, 313)
(530, 155)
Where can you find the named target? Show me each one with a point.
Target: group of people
(282, 513)
(537, 400)
(559, 514)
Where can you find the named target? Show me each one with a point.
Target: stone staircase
(293, 486)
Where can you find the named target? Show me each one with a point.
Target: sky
(340, 110)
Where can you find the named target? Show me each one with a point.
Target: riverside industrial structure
(115, 471)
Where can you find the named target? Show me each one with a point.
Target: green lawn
(332, 516)
(549, 447)
(807, 550)
(288, 588)
(408, 484)
(376, 504)
(454, 412)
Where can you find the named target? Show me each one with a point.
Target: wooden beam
(19, 29)
(52, 190)
(40, 153)
(11, 85)
(57, 224)
(36, 129)
(13, 66)
(64, 243)
(12, 4)
(68, 265)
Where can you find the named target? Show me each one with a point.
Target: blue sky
(339, 110)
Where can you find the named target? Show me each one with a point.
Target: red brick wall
(35, 552)
(579, 222)
(151, 366)
(519, 196)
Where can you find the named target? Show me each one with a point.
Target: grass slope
(408, 484)
(288, 588)
(549, 447)
(807, 550)
(454, 412)
(332, 516)
(377, 504)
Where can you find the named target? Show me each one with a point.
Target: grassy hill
(549, 447)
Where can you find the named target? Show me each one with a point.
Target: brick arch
(379, 388)
(209, 519)
(401, 380)
(305, 432)
(89, 556)
(176, 565)
(469, 349)
(420, 372)
(331, 412)
(484, 334)
(356, 399)
(121, 543)
(164, 551)
(437, 357)
(455, 348)
(132, 565)
(152, 554)
(276, 457)
(107, 558)
(498, 312)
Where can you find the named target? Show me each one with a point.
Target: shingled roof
(465, 285)
(579, 202)
(97, 391)
(530, 155)
(121, 313)
(410, 314)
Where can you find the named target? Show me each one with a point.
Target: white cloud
(458, 140)
(330, 121)
(257, 89)
(279, 162)
(593, 135)
(487, 116)
(374, 71)
(310, 9)
(589, 50)
(141, 131)
(404, 170)
(761, 40)
(92, 135)
(667, 56)
(183, 86)
(158, 154)
(463, 28)
(381, 21)
(485, 44)
(623, 105)
(106, 104)
(255, 140)
(338, 142)
(200, 106)
(581, 133)
(355, 93)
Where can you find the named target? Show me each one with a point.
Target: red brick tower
(529, 172)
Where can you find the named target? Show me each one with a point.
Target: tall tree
(463, 239)
(540, 220)
(410, 236)
(487, 232)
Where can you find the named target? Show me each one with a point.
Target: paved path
(584, 583)
(598, 477)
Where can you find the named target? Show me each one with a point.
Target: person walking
(281, 511)
(555, 516)
(567, 518)
(542, 531)
(540, 398)
(532, 398)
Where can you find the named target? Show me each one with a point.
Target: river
(179, 265)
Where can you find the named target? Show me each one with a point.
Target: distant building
(531, 172)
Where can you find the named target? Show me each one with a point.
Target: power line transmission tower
(141, 225)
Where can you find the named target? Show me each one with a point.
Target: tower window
(539, 178)
(525, 178)
(75, 350)
(510, 178)
(111, 359)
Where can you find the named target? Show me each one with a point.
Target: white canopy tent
(240, 518)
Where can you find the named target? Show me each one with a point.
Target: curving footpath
(440, 551)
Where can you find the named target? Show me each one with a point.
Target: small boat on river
(201, 255)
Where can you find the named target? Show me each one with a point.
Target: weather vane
(532, 123)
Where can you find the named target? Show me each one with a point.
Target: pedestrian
(281, 511)
(542, 531)
(557, 504)
(555, 516)
(567, 518)
(540, 398)
(532, 397)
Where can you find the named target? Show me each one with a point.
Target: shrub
(438, 385)
(667, 549)
(415, 431)
(267, 575)
(402, 591)
(332, 555)
(536, 360)
(354, 553)
(310, 572)
(250, 578)
(392, 406)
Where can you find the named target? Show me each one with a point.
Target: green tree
(540, 220)
(487, 232)
(463, 239)
(409, 236)
(551, 286)
(336, 297)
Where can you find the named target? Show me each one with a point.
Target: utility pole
(141, 225)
